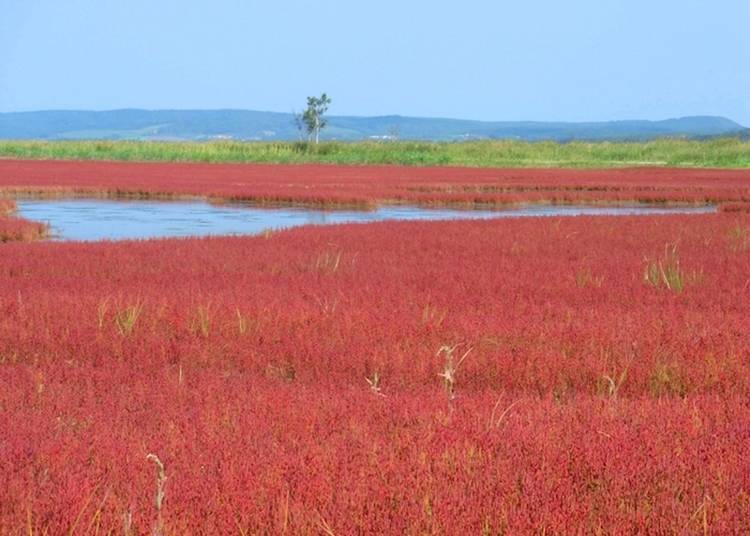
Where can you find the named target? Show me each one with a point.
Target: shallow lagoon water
(97, 219)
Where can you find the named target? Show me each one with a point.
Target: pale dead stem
(242, 531)
(101, 312)
(614, 383)
(98, 513)
(286, 510)
(241, 321)
(327, 305)
(285, 520)
(494, 423)
(325, 526)
(374, 383)
(127, 522)
(161, 480)
(702, 511)
(450, 367)
(29, 526)
(85, 506)
(433, 315)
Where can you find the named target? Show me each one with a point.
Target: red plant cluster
(370, 185)
(7, 207)
(312, 380)
(735, 207)
(18, 229)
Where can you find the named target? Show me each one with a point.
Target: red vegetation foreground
(580, 375)
(370, 185)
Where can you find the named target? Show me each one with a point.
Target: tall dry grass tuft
(200, 324)
(738, 238)
(328, 262)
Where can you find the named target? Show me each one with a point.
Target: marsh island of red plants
(542, 375)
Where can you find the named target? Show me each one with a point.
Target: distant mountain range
(253, 125)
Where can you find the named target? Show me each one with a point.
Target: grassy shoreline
(716, 153)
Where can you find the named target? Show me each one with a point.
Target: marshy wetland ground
(503, 375)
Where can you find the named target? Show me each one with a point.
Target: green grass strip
(719, 153)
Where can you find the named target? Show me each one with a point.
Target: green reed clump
(667, 272)
(127, 317)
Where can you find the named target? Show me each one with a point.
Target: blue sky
(572, 60)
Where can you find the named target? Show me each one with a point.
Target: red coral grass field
(514, 376)
(330, 185)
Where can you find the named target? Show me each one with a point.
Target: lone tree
(313, 118)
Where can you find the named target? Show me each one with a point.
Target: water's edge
(106, 219)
